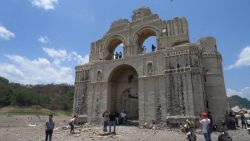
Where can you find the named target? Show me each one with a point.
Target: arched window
(99, 75)
(150, 68)
(146, 41)
(115, 49)
(150, 44)
(118, 53)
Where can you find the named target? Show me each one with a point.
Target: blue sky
(41, 41)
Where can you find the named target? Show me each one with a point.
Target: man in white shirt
(105, 116)
(124, 118)
(71, 123)
(205, 121)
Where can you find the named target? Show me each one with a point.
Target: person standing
(117, 118)
(205, 121)
(71, 123)
(112, 121)
(116, 55)
(153, 48)
(105, 116)
(120, 55)
(243, 120)
(49, 127)
(123, 115)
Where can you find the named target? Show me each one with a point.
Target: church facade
(177, 80)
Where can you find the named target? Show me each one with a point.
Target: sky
(41, 41)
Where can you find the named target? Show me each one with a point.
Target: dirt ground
(31, 128)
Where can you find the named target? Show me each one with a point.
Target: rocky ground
(31, 128)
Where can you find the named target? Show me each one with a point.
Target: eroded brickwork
(177, 80)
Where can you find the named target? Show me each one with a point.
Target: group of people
(234, 121)
(113, 119)
(143, 50)
(118, 55)
(110, 120)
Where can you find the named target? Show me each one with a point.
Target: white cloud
(243, 59)
(36, 71)
(45, 4)
(245, 92)
(43, 39)
(80, 59)
(62, 55)
(59, 68)
(5, 34)
(121, 45)
(55, 53)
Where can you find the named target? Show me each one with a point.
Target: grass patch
(34, 110)
(64, 113)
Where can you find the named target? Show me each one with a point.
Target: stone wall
(179, 80)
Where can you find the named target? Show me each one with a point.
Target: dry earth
(31, 128)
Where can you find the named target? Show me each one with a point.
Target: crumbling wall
(178, 80)
(81, 91)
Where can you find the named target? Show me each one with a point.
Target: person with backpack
(49, 127)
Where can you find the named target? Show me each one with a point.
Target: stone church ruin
(177, 80)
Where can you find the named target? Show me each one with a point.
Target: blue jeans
(207, 136)
(124, 121)
(111, 123)
(48, 134)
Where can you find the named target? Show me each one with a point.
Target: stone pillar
(150, 99)
(190, 93)
(215, 88)
(104, 97)
(75, 99)
(90, 96)
(141, 101)
(162, 91)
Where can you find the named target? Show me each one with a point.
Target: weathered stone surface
(178, 79)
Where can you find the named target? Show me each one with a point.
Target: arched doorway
(123, 91)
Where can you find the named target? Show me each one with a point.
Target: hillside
(51, 96)
(237, 100)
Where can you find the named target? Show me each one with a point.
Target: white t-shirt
(123, 115)
(205, 122)
(72, 120)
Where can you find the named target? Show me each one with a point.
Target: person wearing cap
(205, 121)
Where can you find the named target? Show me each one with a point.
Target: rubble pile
(87, 131)
(153, 126)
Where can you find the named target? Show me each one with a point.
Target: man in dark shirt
(112, 121)
(49, 127)
(243, 119)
